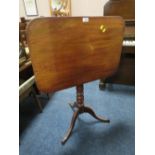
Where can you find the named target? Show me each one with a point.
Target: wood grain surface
(123, 8)
(69, 51)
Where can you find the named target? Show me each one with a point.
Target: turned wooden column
(80, 95)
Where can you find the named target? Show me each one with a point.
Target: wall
(87, 7)
(42, 6)
(78, 8)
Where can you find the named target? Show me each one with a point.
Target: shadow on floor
(28, 110)
(98, 140)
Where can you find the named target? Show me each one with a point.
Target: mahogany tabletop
(69, 51)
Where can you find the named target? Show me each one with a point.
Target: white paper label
(85, 19)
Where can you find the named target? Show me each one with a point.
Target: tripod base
(81, 109)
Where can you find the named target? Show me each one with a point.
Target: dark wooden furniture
(25, 66)
(126, 71)
(27, 83)
(123, 8)
(26, 77)
(27, 88)
(89, 49)
(26, 70)
(22, 31)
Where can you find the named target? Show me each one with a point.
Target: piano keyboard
(130, 43)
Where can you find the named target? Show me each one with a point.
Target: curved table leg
(73, 106)
(75, 115)
(91, 112)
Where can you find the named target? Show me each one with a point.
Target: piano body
(126, 71)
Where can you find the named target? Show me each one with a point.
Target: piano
(126, 70)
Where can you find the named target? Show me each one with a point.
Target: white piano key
(130, 43)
